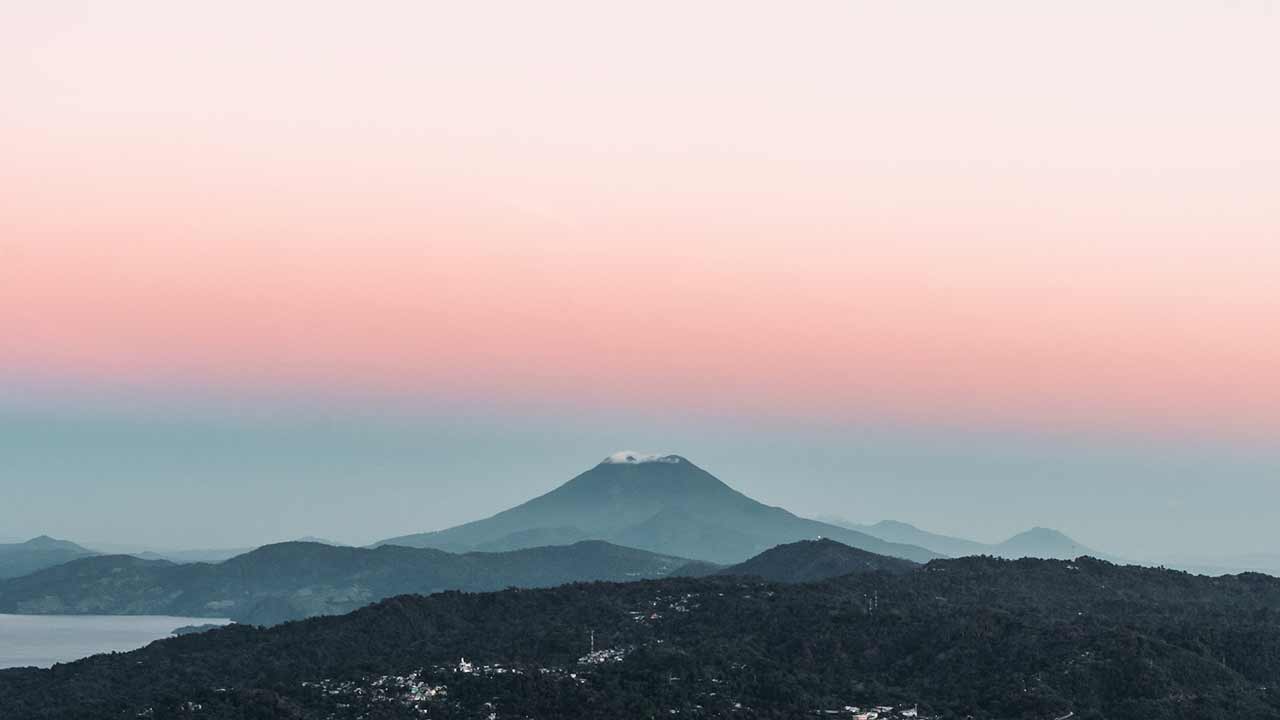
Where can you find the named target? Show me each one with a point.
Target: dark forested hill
(811, 560)
(663, 504)
(299, 579)
(976, 637)
(1042, 543)
(23, 558)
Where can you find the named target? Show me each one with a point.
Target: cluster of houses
(601, 657)
(426, 687)
(422, 688)
(879, 712)
(413, 689)
(466, 667)
(429, 686)
(653, 609)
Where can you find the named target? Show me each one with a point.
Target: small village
(879, 712)
(427, 689)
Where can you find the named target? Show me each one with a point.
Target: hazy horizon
(213, 475)
(293, 269)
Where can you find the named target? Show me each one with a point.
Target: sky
(315, 268)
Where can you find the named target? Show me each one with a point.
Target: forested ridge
(976, 637)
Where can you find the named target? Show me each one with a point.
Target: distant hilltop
(1038, 542)
(17, 559)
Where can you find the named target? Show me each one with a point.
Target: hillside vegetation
(975, 637)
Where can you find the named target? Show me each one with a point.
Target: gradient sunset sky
(385, 267)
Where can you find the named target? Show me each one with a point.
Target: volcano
(660, 503)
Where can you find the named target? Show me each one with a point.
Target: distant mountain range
(1037, 542)
(23, 558)
(632, 516)
(294, 580)
(664, 504)
(184, 555)
(289, 581)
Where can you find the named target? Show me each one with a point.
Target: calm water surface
(43, 640)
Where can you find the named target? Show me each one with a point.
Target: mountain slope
(293, 580)
(17, 559)
(664, 504)
(976, 637)
(812, 560)
(900, 532)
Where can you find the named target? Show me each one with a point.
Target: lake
(42, 640)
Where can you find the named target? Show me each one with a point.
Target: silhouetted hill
(17, 559)
(1042, 543)
(811, 560)
(296, 579)
(976, 637)
(663, 504)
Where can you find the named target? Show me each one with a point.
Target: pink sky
(1011, 212)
